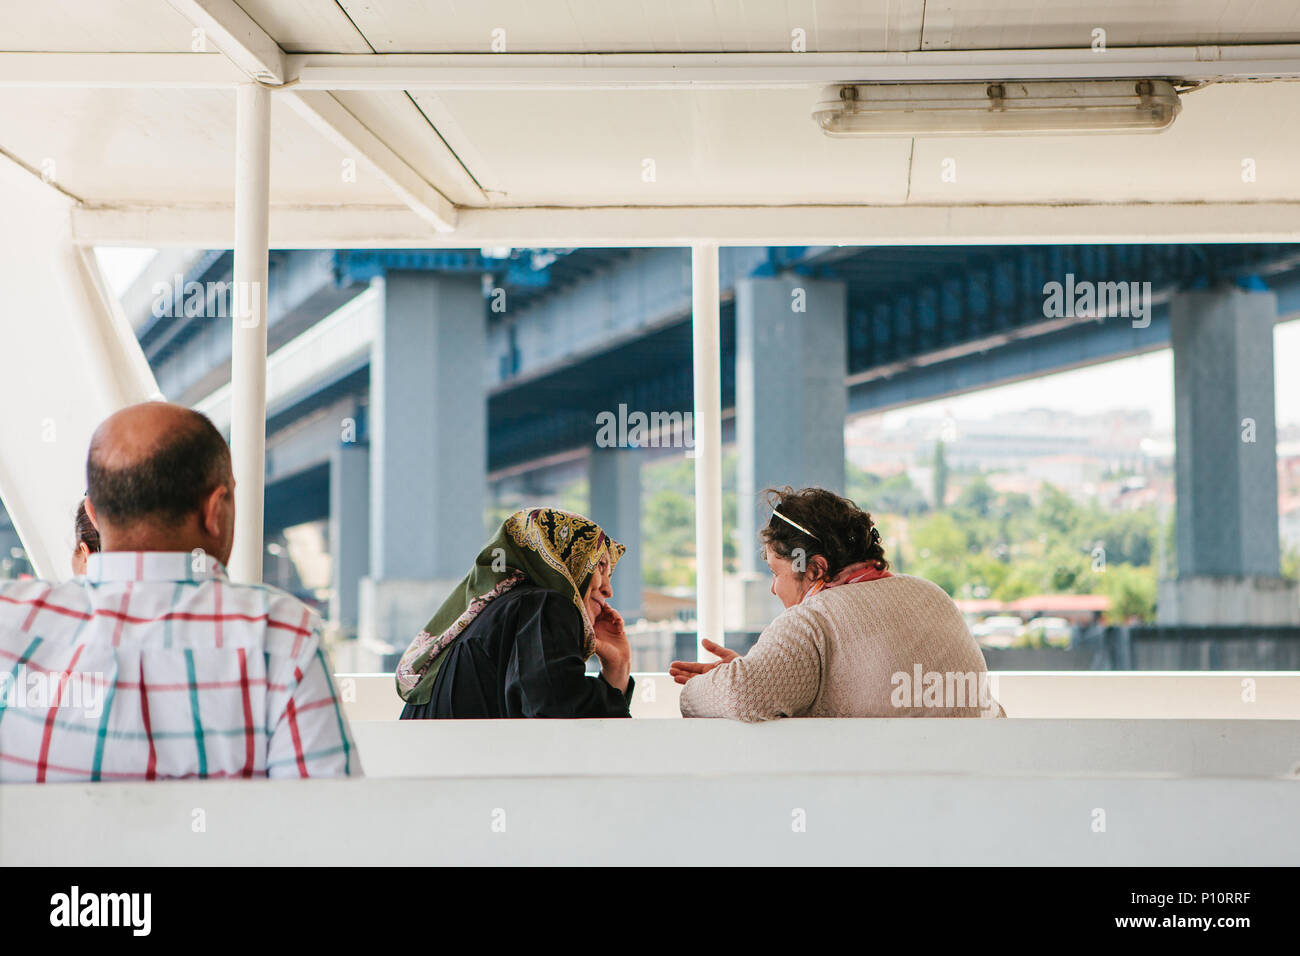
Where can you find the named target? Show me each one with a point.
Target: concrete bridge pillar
(791, 402)
(428, 449)
(1226, 463)
(615, 479)
(349, 530)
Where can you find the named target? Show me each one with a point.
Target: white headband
(793, 525)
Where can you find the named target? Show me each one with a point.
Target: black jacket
(521, 657)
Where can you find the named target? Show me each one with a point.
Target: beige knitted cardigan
(892, 647)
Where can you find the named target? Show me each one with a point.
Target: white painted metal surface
(1067, 695)
(707, 353)
(332, 119)
(68, 358)
(248, 353)
(850, 819)
(225, 24)
(1031, 747)
(569, 72)
(366, 227)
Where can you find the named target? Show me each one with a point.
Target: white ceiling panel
(397, 120)
(89, 26)
(706, 147)
(1042, 24)
(635, 147)
(739, 26)
(174, 146)
(307, 26)
(1199, 159)
(621, 26)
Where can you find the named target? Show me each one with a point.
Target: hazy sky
(1145, 381)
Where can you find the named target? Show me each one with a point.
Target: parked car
(1053, 631)
(1000, 630)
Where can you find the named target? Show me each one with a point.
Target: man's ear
(210, 514)
(90, 513)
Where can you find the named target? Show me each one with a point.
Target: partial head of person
(563, 551)
(87, 542)
(813, 538)
(159, 479)
(558, 550)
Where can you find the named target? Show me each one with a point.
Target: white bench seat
(794, 819)
(1264, 695)
(592, 748)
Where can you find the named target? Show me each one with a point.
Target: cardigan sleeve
(779, 677)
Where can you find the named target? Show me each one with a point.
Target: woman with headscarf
(513, 638)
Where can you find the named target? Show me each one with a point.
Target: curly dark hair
(832, 527)
(87, 533)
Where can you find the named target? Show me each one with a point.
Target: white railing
(1031, 747)
(1175, 695)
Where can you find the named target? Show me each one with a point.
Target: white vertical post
(708, 446)
(248, 354)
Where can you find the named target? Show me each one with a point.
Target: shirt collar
(192, 566)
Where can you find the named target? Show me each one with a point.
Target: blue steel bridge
(404, 384)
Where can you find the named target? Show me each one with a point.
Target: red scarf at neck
(852, 574)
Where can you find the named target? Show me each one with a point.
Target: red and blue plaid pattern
(154, 665)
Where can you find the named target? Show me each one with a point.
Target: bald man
(153, 664)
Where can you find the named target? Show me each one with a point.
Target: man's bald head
(154, 464)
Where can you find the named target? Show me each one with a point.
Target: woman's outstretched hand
(612, 648)
(682, 671)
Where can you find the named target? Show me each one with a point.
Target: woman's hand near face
(612, 648)
(682, 671)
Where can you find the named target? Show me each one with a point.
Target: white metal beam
(63, 325)
(237, 35)
(395, 227)
(118, 71)
(707, 351)
(248, 351)
(624, 71)
(337, 124)
(257, 54)
(588, 71)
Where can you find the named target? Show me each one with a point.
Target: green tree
(1057, 513)
(1127, 537)
(1132, 592)
(938, 538)
(893, 495)
(978, 498)
(1291, 564)
(1025, 576)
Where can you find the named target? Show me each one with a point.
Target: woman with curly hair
(855, 640)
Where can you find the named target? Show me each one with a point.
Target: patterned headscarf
(553, 549)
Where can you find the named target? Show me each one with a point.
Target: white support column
(248, 356)
(61, 324)
(708, 445)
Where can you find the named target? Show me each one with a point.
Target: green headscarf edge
(540, 545)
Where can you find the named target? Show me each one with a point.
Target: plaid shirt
(153, 666)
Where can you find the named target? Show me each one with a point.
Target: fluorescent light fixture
(992, 109)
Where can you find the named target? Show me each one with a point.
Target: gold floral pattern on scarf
(573, 546)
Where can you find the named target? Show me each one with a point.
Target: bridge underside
(874, 328)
